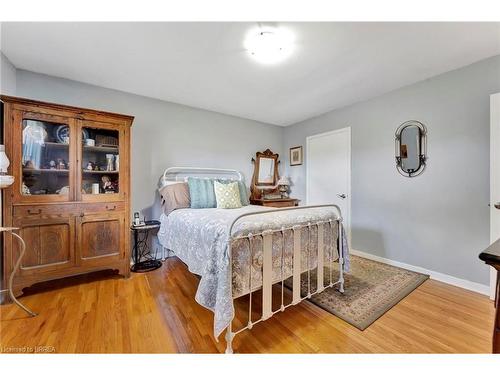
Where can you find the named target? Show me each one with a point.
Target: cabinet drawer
(279, 204)
(41, 210)
(89, 208)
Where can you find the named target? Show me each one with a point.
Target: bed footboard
(267, 265)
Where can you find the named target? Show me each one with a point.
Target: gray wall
(7, 76)
(163, 134)
(440, 220)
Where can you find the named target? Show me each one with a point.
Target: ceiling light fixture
(269, 45)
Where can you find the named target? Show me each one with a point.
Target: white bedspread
(199, 237)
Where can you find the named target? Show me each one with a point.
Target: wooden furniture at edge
(491, 256)
(72, 233)
(282, 202)
(259, 189)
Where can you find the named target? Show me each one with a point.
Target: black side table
(491, 256)
(141, 249)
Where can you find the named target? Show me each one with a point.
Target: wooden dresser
(491, 256)
(71, 195)
(283, 202)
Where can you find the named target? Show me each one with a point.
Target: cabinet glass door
(100, 161)
(45, 159)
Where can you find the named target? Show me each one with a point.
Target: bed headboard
(180, 173)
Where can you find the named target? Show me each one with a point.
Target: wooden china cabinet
(71, 195)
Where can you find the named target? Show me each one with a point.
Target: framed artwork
(296, 155)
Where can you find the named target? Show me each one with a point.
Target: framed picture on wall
(296, 155)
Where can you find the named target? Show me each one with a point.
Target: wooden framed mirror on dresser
(71, 193)
(265, 186)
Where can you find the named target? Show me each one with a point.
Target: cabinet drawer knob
(110, 208)
(82, 214)
(34, 212)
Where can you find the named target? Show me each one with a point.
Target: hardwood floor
(156, 313)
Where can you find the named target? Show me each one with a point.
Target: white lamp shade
(284, 181)
(5, 180)
(4, 160)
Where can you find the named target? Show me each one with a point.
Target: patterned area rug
(371, 289)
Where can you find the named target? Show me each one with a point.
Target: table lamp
(283, 184)
(6, 181)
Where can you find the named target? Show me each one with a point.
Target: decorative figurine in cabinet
(72, 217)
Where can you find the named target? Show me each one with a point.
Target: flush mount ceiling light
(269, 45)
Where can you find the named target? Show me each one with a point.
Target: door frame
(349, 147)
(494, 176)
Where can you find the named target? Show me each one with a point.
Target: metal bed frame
(180, 173)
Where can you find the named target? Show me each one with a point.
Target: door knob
(343, 196)
(497, 205)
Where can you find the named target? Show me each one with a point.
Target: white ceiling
(205, 65)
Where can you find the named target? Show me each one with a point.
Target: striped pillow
(201, 192)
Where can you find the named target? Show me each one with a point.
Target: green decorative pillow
(201, 192)
(227, 195)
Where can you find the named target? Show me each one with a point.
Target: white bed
(237, 251)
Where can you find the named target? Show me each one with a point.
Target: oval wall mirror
(411, 148)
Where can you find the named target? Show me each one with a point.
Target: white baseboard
(452, 280)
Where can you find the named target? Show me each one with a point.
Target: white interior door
(494, 179)
(328, 171)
